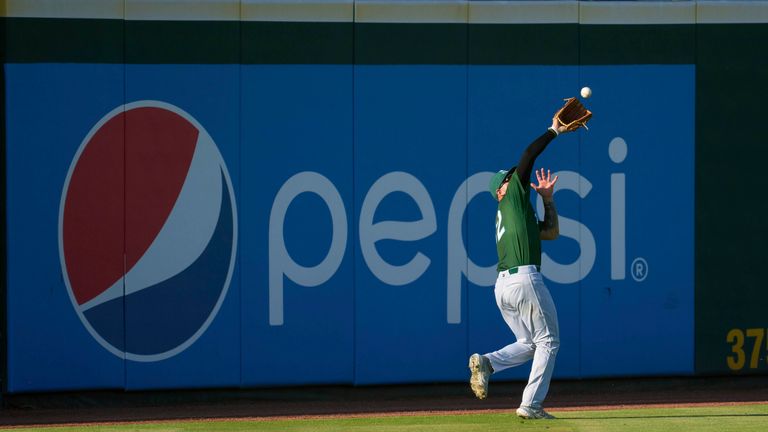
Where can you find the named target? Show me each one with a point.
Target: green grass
(741, 418)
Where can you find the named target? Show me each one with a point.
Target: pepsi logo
(147, 231)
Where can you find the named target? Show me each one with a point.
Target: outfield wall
(261, 193)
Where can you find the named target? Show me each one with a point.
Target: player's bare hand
(558, 127)
(546, 186)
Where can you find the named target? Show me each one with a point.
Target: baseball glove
(573, 115)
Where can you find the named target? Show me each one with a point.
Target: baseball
(586, 92)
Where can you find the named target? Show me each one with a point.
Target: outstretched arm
(534, 149)
(549, 228)
(530, 154)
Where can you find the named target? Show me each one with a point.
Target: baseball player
(522, 297)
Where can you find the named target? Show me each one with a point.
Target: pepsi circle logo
(147, 231)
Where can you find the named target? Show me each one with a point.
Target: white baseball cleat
(481, 370)
(533, 413)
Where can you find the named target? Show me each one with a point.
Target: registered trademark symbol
(639, 269)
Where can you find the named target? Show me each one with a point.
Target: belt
(520, 269)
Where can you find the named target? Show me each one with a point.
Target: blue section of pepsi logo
(191, 295)
(107, 319)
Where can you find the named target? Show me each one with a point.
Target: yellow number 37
(736, 337)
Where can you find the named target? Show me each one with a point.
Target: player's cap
(498, 179)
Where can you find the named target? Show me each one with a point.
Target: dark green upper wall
(116, 41)
(42, 40)
(731, 156)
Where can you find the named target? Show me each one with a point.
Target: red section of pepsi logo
(159, 149)
(121, 191)
(93, 225)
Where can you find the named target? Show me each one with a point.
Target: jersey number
(499, 228)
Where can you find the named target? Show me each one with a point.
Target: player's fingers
(554, 180)
(534, 187)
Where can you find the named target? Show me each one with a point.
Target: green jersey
(517, 228)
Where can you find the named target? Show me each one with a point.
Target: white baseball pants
(529, 311)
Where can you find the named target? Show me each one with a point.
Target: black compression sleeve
(530, 154)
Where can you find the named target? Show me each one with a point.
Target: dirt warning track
(337, 401)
